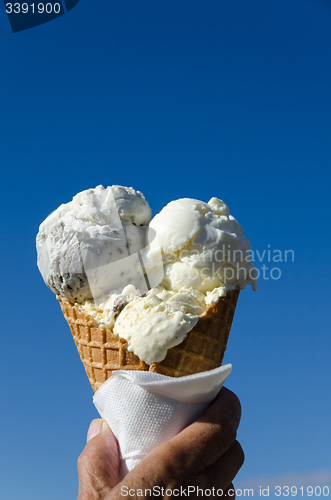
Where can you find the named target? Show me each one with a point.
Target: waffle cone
(102, 352)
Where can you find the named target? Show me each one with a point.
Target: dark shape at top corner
(70, 4)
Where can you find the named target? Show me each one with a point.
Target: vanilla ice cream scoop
(80, 243)
(203, 247)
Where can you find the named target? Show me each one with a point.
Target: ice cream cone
(102, 352)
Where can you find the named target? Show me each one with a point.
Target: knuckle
(237, 405)
(224, 439)
(227, 430)
(238, 454)
(82, 461)
(234, 405)
(223, 434)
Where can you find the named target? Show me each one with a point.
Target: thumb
(98, 464)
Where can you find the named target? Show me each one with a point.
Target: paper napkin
(145, 409)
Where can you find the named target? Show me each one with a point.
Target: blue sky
(177, 99)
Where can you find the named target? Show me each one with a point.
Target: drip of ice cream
(98, 252)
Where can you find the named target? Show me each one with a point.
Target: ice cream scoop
(79, 244)
(203, 247)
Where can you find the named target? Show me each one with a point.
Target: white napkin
(145, 409)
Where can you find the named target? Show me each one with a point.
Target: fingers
(202, 443)
(224, 470)
(206, 453)
(98, 464)
(219, 475)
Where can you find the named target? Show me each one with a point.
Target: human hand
(205, 455)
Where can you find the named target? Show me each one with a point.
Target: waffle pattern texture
(102, 352)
